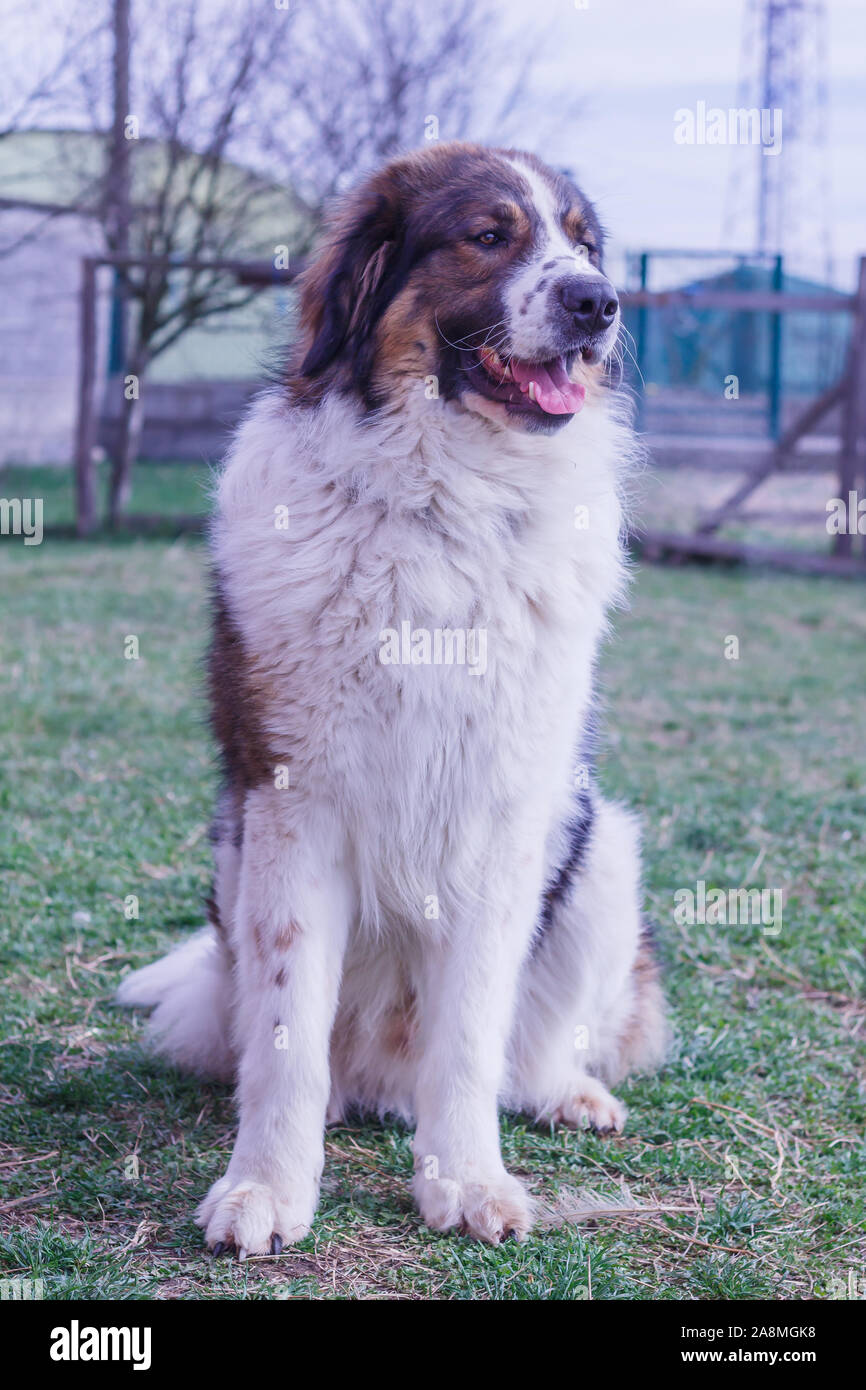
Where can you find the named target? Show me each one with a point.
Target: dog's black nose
(591, 301)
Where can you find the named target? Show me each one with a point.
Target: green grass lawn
(744, 1156)
(158, 489)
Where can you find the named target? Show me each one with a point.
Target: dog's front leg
(468, 993)
(293, 912)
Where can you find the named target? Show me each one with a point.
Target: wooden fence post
(85, 439)
(861, 394)
(853, 416)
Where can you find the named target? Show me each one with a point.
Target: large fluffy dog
(421, 904)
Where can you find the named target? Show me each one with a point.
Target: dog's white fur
(383, 906)
(530, 322)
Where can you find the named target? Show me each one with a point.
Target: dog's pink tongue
(554, 392)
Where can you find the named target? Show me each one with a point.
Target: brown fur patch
(235, 708)
(401, 1026)
(399, 352)
(216, 921)
(577, 229)
(286, 936)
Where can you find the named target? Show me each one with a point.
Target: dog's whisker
(464, 341)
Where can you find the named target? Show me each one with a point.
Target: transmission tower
(780, 203)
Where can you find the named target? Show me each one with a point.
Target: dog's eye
(489, 238)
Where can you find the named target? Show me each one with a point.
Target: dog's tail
(189, 991)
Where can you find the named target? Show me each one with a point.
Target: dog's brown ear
(352, 281)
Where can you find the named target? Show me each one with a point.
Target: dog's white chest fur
(422, 662)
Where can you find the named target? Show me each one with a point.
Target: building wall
(187, 421)
(40, 276)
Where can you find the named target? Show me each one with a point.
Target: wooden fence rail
(849, 392)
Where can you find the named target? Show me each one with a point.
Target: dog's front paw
(252, 1218)
(589, 1105)
(488, 1208)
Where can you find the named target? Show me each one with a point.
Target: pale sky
(635, 63)
(638, 61)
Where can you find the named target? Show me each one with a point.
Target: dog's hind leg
(590, 1005)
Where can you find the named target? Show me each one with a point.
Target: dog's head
(479, 269)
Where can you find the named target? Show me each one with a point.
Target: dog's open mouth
(538, 388)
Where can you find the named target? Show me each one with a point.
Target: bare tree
(43, 61)
(167, 96)
(182, 197)
(369, 78)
